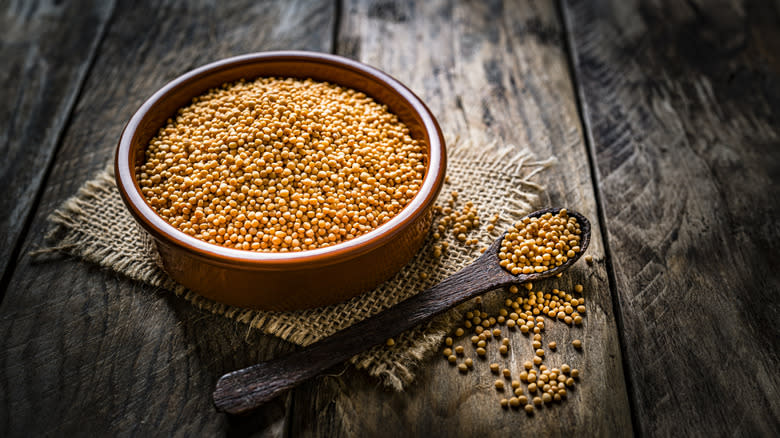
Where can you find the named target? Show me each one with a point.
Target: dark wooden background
(664, 118)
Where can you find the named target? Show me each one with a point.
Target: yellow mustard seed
(589, 259)
(570, 382)
(532, 387)
(448, 341)
(259, 165)
(499, 385)
(503, 350)
(537, 360)
(462, 368)
(496, 332)
(481, 351)
(447, 352)
(575, 373)
(528, 365)
(529, 409)
(506, 373)
(577, 344)
(459, 332)
(514, 402)
(494, 368)
(452, 358)
(547, 398)
(528, 246)
(469, 362)
(540, 352)
(390, 342)
(538, 401)
(515, 384)
(504, 402)
(459, 350)
(578, 288)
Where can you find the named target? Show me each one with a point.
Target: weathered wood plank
(86, 353)
(46, 49)
(682, 104)
(487, 70)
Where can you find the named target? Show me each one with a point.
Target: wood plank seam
(591, 154)
(18, 242)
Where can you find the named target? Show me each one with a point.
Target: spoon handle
(243, 390)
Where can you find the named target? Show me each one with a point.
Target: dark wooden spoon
(243, 390)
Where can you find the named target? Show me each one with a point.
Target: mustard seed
(529, 409)
(506, 373)
(448, 341)
(462, 368)
(514, 402)
(547, 398)
(540, 352)
(577, 344)
(538, 401)
(390, 342)
(537, 360)
(254, 166)
(578, 288)
(481, 351)
(499, 385)
(447, 352)
(503, 350)
(452, 358)
(459, 332)
(504, 403)
(522, 399)
(459, 350)
(528, 365)
(515, 384)
(552, 345)
(469, 362)
(532, 387)
(575, 373)
(494, 368)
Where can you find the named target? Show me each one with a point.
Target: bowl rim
(162, 230)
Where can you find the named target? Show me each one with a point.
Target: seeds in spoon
(537, 244)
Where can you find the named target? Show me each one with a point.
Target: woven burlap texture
(95, 225)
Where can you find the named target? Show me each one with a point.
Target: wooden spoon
(243, 390)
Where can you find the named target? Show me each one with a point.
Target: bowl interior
(381, 87)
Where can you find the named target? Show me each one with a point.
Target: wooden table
(663, 117)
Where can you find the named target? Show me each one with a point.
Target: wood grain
(84, 352)
(682, 104)
(46, 49)
(488, 70)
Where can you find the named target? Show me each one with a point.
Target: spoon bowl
(243, 390)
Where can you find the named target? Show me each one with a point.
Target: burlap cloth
(95, 225)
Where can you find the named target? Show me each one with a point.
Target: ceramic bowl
(294, 280)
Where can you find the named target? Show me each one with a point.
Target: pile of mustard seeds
(537, 244)
(534, 385)
(281, 165)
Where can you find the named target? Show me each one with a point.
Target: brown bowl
(293, 280)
